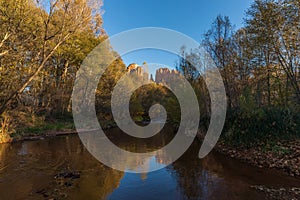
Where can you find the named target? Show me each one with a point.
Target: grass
(43, 128)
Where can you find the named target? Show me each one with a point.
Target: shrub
(258, 125)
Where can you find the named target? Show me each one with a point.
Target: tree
(273, 26)
(56, 22)
(219, 44)
(42, 45)
(6, 36)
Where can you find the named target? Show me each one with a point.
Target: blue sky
(191, 17)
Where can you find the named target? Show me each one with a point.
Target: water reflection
(3, 150)
(31, 167)
(27, 171)
(126, 153)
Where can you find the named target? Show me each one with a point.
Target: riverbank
(48, 130)
(281, 155)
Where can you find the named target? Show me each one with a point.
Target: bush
(259, 125)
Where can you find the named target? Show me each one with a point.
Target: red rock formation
(165, 75)
(137, 70)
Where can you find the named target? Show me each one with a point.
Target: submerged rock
(71, 175)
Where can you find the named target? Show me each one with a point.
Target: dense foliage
(42, 44)
(260, 66)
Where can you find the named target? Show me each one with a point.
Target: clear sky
(191, 17)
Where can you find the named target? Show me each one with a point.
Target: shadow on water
(39, 170)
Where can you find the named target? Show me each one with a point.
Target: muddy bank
(48, 133)
(282, 155)
(45, 135)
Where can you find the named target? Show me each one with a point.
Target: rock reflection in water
(132, 159)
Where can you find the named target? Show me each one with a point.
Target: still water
(61, 168)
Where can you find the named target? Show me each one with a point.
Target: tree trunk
(14, 95)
